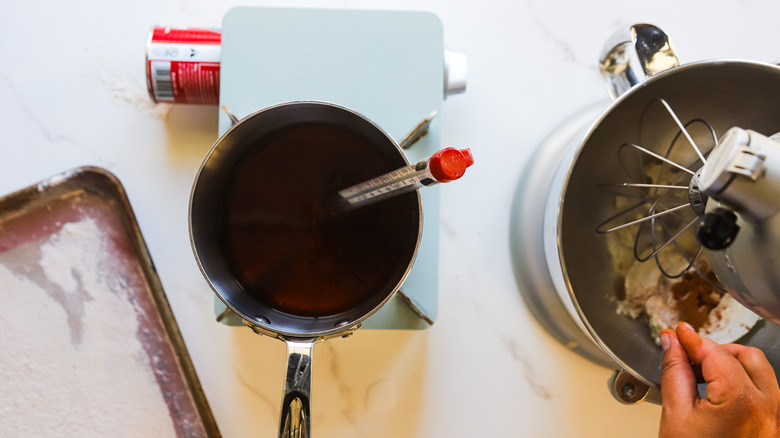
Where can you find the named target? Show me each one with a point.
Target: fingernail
(665, 341)
(688, 327)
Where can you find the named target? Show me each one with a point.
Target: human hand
(743, 397)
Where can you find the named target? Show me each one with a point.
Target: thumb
(678, 381)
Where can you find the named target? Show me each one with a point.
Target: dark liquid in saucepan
(286, 249)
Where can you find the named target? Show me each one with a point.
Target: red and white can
(182, 65)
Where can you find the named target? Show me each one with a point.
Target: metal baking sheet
(30, 216)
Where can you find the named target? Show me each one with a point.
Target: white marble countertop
(73, 93)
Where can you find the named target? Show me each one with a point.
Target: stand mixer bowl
(582, 289)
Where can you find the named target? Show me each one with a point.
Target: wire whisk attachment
(659, 200)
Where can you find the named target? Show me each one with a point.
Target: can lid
(450, 164)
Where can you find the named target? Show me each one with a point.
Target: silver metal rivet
(629, 390)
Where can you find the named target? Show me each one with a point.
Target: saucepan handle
(295, 420)
(628, 58)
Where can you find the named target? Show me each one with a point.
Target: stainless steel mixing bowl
(579, 288)
(726, 94)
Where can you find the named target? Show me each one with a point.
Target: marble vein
(520, 356)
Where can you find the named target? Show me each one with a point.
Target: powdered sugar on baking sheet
(71, 363)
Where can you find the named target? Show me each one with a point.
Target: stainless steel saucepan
(215, 185)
